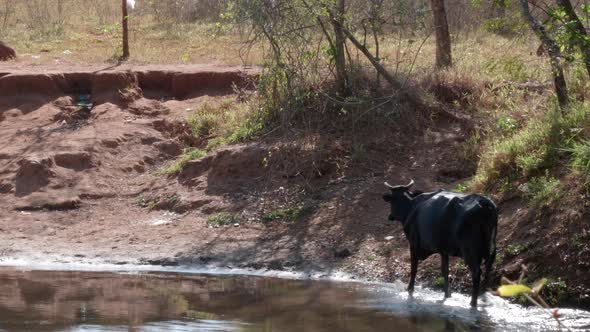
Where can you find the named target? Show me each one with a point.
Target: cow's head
(400, 199)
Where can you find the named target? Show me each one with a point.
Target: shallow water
(167, 301)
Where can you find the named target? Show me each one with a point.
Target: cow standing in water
(450, 224)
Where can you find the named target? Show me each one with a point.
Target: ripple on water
(161, 301)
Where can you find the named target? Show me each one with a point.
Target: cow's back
(441, 220)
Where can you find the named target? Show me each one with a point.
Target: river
(69, 300)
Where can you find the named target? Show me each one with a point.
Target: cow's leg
(413, 271)
(489, 261)
(475, 277)
(444, 266)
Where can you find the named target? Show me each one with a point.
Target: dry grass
(89, 32)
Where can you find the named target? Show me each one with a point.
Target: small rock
(388, 238)
(236, 225)
(342, 253)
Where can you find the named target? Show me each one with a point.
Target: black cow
(447, 223)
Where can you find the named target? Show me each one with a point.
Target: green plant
(555, 291)
(439, 282)
(536, 148)
(543, 190)
(460, 267)
(181, 161)
(247, 131)
(431, 270)
(461, 187)
(580, 160)
(506, 123)
(515, 249)
(172, 199)
(222, 219)
(140, 201)
(215, 143)
(204, 121)
(289, 214)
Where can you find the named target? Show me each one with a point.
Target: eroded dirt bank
(83, 185)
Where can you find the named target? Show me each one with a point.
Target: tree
(443, 38)
(339, 41)
(552, 49)
(125, 31)
(578, 33)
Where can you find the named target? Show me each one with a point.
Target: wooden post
(125, 31)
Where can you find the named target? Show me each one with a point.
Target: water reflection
(91, 301)
(104, 301)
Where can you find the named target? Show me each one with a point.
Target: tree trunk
(443, 38)
(553, 51)
(578, 28)
(125, 31)
(339, 52)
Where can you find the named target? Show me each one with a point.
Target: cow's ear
(387, 197)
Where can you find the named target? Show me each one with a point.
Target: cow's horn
(389, 186)
(409, 185)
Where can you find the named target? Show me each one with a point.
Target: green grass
(178, 165)
(534, 151)
(222, 219)
(226, 122)
(289, 214)
(543, 190)
(580, 161)
(204, 121)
